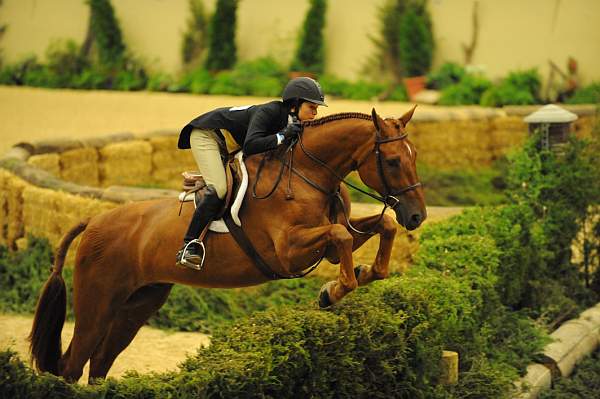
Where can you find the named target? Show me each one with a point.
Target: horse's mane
(337, 117)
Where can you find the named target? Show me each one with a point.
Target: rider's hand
(291, 131)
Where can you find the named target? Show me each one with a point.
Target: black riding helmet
(304, 88)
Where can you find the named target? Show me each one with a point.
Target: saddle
(237, 184)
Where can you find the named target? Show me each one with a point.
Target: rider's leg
(206, 151)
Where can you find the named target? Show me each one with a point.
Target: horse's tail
(45, 342)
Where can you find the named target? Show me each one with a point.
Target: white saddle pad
(218, 226)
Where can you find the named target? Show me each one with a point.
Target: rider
(256, 128)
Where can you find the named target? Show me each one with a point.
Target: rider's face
(307, 111)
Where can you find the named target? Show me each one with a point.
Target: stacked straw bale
(11, 208)
(48, 162)
(507, 133)
(80, 166)
(51, 214)
(452, 144)
(126, 163)
(168, 162)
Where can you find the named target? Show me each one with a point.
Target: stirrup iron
(191, 265)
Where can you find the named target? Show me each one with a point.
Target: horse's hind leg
(142, 304)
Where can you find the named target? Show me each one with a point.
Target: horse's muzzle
(410, 220)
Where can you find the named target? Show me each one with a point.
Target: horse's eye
(393, 162)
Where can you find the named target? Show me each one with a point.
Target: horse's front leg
(386, 228)
(298, 250)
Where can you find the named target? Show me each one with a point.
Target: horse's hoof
(324, 299)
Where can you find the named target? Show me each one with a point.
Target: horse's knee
(340, 236)
(389, 227)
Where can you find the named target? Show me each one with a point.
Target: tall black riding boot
(206, 210)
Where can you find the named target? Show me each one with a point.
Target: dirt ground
(151, 350)
(30, 114)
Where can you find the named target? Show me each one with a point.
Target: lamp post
(554, 124)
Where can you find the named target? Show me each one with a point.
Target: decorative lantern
(554, 124)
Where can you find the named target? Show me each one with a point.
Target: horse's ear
(407, 116)
(377, 121)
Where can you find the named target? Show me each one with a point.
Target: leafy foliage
(518, 88)
(221, 46)
(415, 39)
(194, 38)
(405, 43)
(468, 90)
(589, 94)
(106, 31)
(447, 74)
(310, 55)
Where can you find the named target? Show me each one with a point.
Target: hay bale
(48, 162)
(51, 214)
(80, 166)
(11, 208)
(168, 162)
(507, 133)
(127, 163)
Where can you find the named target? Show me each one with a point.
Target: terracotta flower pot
(299, 74)
(414, 85)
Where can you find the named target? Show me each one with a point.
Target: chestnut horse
(125, 263)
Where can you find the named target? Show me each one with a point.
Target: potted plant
(415, 45)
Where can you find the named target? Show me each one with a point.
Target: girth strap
(242, 240)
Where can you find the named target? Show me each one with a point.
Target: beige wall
(514, 34)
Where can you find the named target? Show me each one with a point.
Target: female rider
(256, 129)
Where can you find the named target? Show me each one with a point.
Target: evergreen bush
(468, 90)
(310, 54)
(589, 94)
(106, 32)
(194, 38)
(221, 46)
(446, 75)
(518, 88)
(415, 39)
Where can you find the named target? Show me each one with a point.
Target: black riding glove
(291, 131)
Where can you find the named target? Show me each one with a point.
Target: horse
(125, 263)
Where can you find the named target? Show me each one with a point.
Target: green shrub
(194, 38)
(23, 274)
(448, 74)
(131, 75)
(197, 81)
(415, 39)
(586, 95)
(310, 54)
(64, 63)
(468, 90)
(221, 45)
(159, 82)
(519, 88)
(106, 32)
(261, 77)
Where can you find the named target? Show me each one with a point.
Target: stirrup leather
(191, 265)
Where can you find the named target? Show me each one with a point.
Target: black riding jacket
(252, 127)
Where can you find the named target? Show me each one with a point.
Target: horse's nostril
(416, 219)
